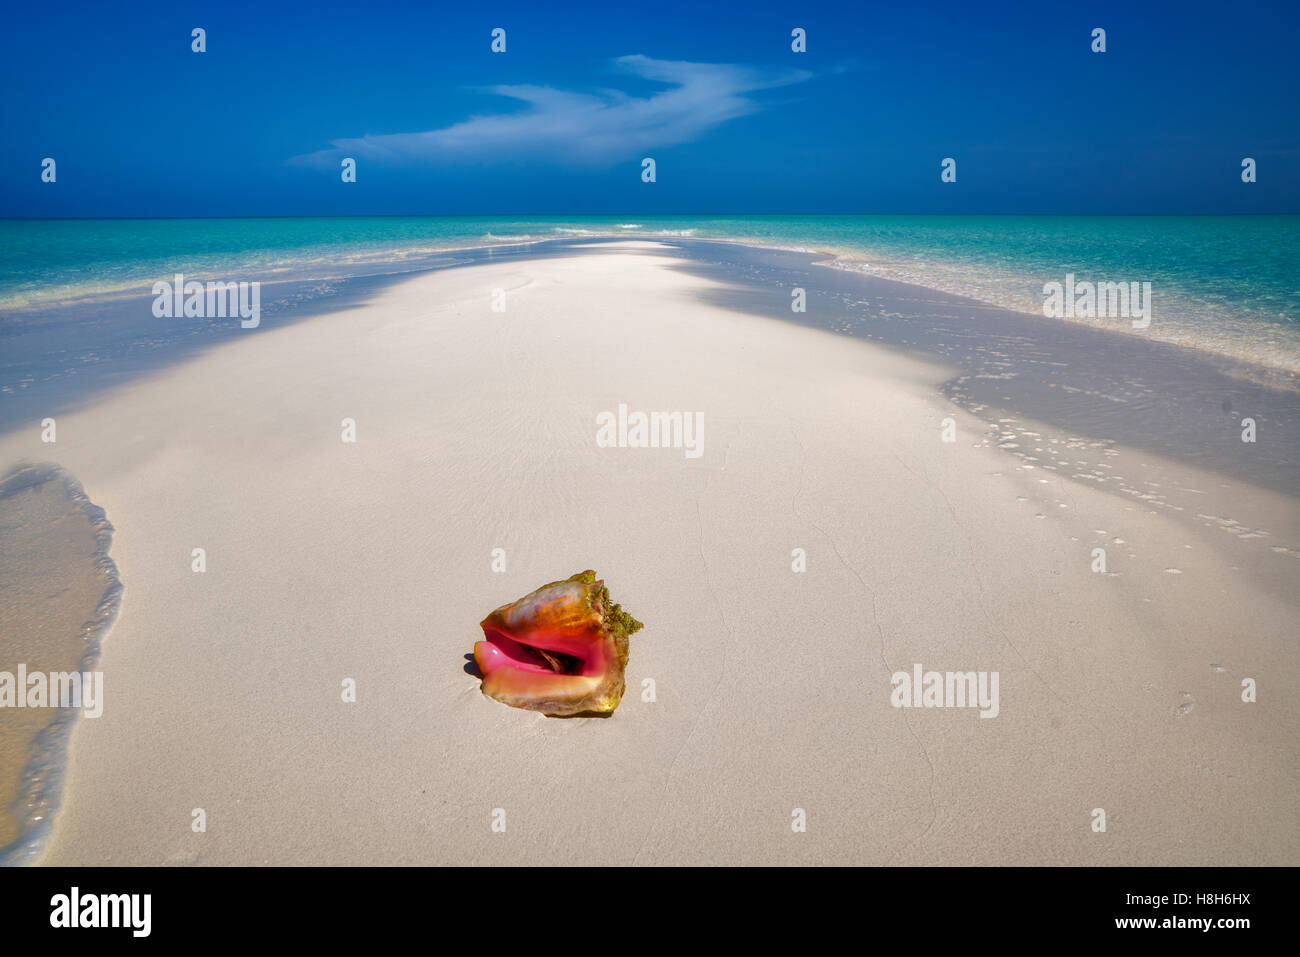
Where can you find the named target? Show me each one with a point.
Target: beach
(864, 499)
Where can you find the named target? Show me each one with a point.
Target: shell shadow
(471, 667)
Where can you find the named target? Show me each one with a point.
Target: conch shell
(560, 650)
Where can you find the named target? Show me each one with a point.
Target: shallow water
(1224, 284)
(58, 593)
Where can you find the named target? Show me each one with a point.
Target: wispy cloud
(576, 127)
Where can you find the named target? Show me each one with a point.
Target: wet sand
(57, 593)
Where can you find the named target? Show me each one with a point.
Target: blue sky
(737, 123)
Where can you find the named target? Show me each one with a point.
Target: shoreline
(1185, 425)
(1280, 370)
(297, 298)
(47, 631)
(329, 561)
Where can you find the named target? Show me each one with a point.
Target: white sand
(476, 430)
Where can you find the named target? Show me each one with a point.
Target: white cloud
(582, 127)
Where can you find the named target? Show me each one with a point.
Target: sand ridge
(330, 561)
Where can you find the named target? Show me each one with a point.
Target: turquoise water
(1227, 284)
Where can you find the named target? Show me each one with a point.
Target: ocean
(1224, 284)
